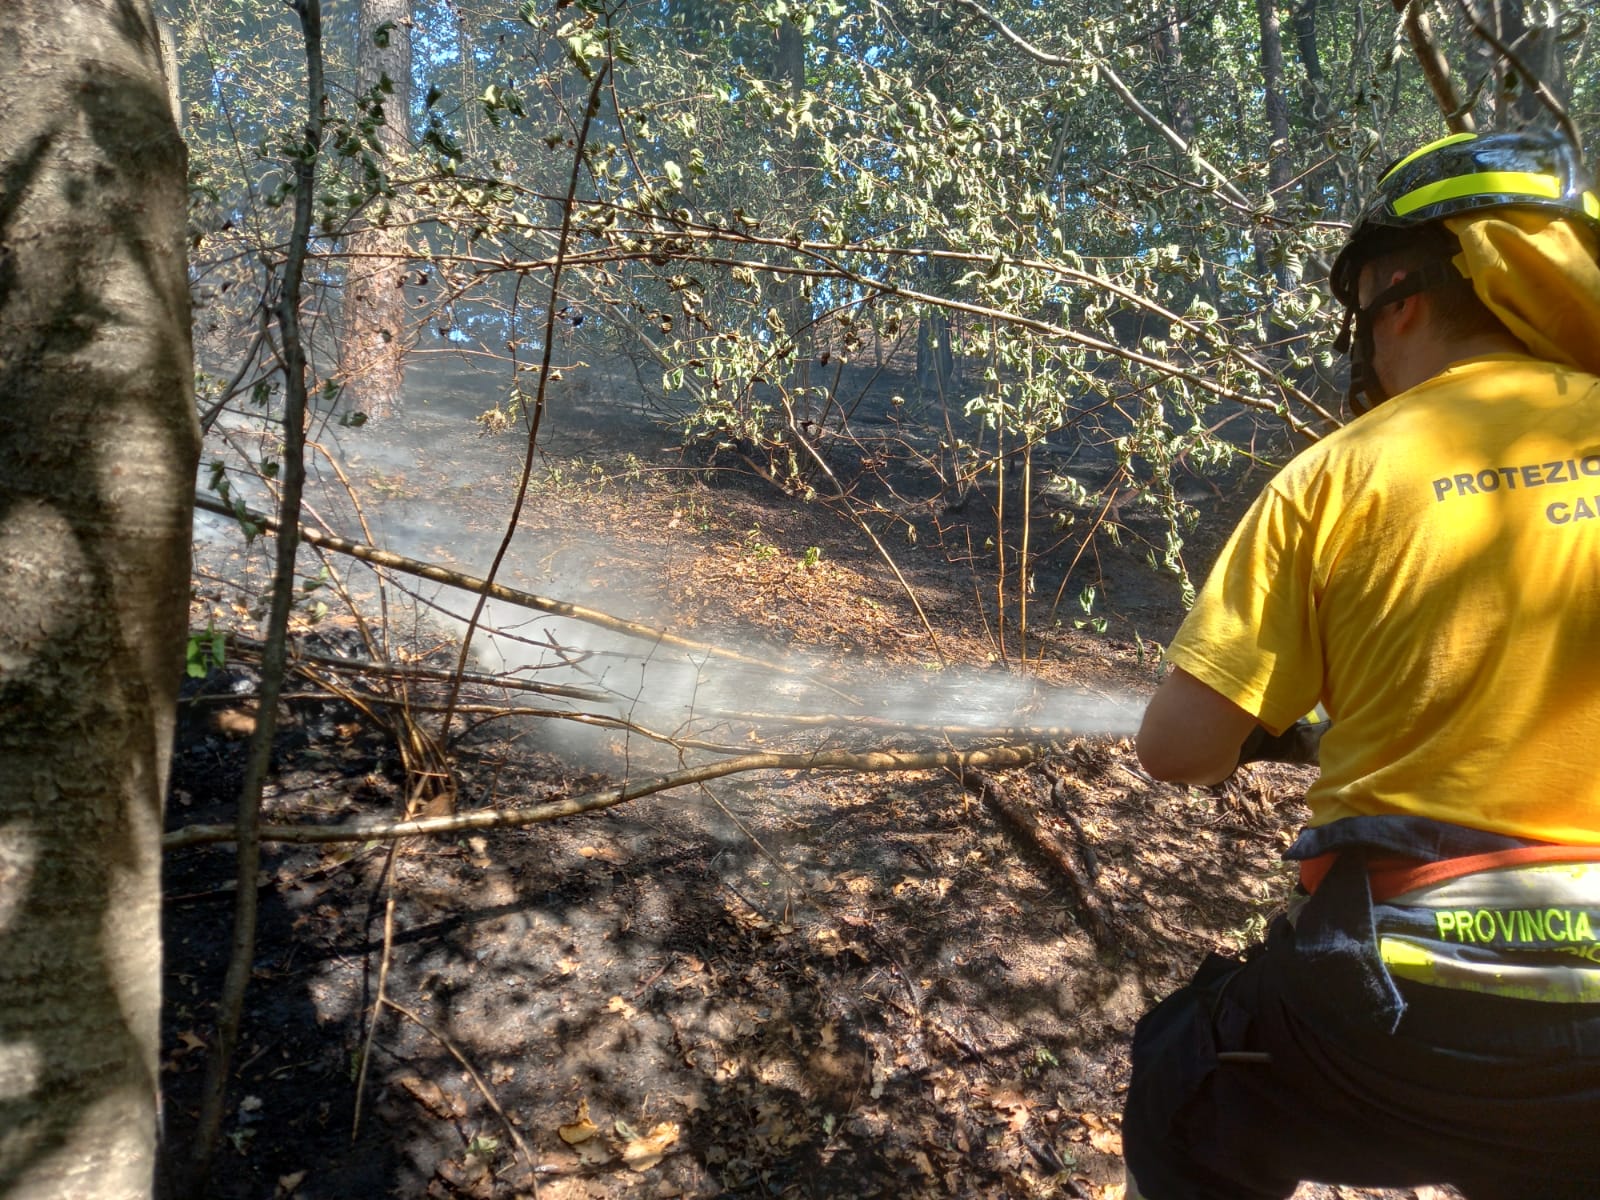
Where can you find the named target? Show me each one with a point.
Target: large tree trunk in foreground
(98, 448)
(375, 333)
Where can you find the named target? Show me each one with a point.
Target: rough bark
(1313, 95)
(375, 333)
(1435, 67)
(789, 70)
(1279, 167)
(98, 448)
(1520, 51)
(1168, 49)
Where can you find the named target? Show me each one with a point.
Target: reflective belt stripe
(1397, 881)
(1399, 954)
(1395, 876)
(1408, 959)
(1508, 184)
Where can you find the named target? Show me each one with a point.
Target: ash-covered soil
(780, 984)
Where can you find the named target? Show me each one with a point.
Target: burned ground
(797, 984)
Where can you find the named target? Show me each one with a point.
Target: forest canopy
(1090, 221)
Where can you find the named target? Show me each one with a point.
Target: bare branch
(495, 591)
(562, 242)
(385, 829)
(1540, 89)
(1124, 93)
(296, 368)
(1435, 69)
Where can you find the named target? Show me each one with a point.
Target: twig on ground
(383, 829)
(483, 1088)
(1092, 913)
(382, 997)
(1062, 792)
(496, 591)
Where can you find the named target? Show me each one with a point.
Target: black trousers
(1239, 1094)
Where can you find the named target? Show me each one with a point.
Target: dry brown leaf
(618, 1005)
(692, 1101)
(593, 1153)
(1106, 1141)
(431, 1096)
(609, 854)
(1013, 1105)
(1102, 1136)
(830, 943)
(582, 1129)
(289, 1184)
(640, 1154)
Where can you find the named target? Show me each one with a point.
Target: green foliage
(206, 652)
(1079, 230)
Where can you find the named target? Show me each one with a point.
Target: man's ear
(1410, 313)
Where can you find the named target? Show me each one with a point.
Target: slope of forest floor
(784, 984)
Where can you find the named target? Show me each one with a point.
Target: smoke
(710, 699)
(431, 470)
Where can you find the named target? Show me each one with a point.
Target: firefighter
(1428, 1011)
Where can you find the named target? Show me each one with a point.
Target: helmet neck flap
(1456, 176)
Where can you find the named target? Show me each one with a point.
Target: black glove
(1300, 743)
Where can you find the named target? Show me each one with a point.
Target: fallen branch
(482, 587)
(1092, 913)
(517, 1139)
(385, 829)
(387, 670)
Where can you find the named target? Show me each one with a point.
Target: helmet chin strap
(1366, 390)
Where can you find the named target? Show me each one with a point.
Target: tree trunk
(376, 334)
(1516, 102)
(789, 69)
(1176, 87)
(98, 449)
(936, 365)
(1279, 166)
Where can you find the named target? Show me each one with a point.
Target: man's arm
(1191, 732)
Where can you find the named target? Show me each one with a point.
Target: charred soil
(789, 983)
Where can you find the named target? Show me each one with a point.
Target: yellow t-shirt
(1430, 574)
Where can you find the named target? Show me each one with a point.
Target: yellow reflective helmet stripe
(1505, 186)
(1428, 149)
(1591, 206)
